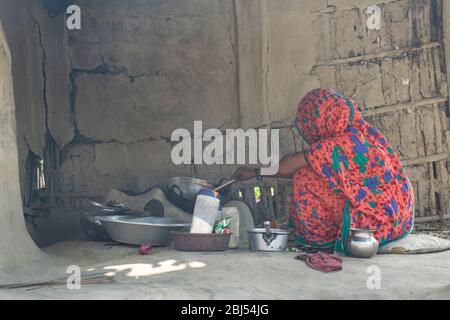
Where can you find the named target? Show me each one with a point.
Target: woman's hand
(289, 165)
(244, 173)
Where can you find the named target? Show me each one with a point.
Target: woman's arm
(289, 165)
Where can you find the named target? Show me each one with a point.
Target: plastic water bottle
(206, 211)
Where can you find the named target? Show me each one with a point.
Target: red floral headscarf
(357, 162)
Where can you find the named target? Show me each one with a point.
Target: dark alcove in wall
(56, 7)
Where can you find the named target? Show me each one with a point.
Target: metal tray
(139, 230)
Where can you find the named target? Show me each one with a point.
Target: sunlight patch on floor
(137, 270)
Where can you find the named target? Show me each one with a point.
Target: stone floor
(235, 274)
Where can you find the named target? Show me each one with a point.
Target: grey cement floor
(168, 274)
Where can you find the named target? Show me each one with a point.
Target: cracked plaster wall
(110, 95)
(145, 69)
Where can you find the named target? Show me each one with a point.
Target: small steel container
(361, 243)
(267, 239)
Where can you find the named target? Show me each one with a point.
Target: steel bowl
(361, 243)
(139, 230)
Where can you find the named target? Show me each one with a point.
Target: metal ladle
(225, 185)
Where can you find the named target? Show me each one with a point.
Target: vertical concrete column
(446, 40)
(15, 244)
(252, 49)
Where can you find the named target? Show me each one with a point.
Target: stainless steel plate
(139, 230)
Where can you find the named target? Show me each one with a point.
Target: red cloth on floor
(321, 261)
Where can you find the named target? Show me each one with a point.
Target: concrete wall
(109, 96)
(145, 68)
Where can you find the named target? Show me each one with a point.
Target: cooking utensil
(103, 207)
(182, 191)
(118, 204)
(93, 228)
(361, 243)
(184, 241)
(267, 239)
(117, 209)
(229, 183)
(224, 190)
(139, 230)
(187, 187)
(90, 220)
